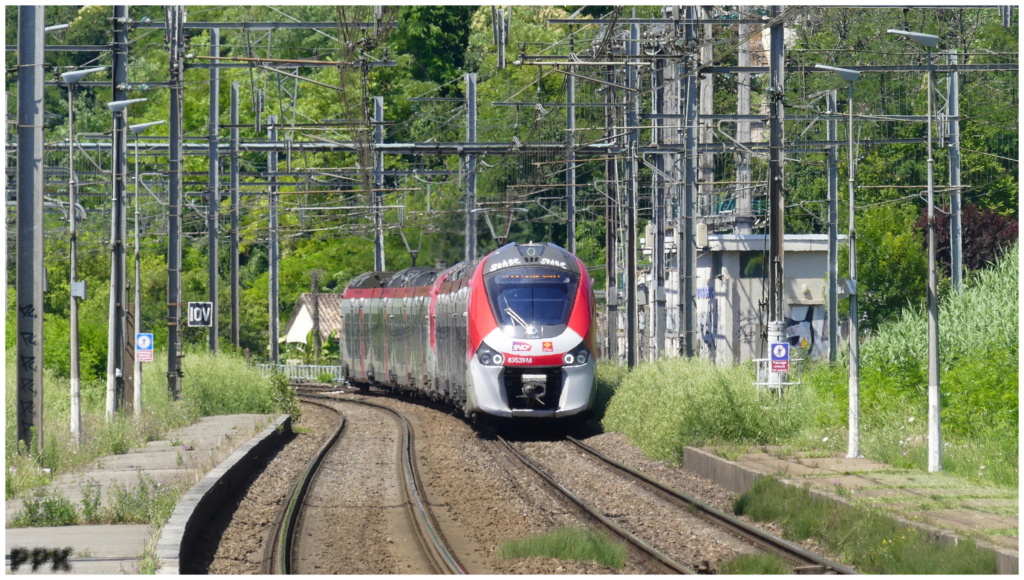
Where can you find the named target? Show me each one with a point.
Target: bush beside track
(665, 405)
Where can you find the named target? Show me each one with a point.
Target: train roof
(412, 277)
(540, 254)
(371, 280)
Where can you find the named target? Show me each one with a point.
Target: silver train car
(509, 335)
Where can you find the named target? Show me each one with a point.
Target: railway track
(663, 555)
(645, 552)
(804, 561)
(284, 555)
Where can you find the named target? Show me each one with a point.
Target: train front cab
(533, 326)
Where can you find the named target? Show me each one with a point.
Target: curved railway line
(664, 559)
(282, 555)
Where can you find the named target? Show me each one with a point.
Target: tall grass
(574, 544)
(978, 347)
(665, 405)
(871, 542)
(211, 385)
(607, 378)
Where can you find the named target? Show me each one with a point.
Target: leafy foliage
(891, 269)
(436, 37)
(986, 235)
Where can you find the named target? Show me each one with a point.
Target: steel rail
(782, 547)
(435, 544)
(277, 554)
(649, 552)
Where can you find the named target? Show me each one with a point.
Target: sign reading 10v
(200, 313)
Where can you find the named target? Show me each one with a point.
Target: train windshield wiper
(514, 315)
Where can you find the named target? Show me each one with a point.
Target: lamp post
(137, 369)
(77, 288)
(116, 331)
(853, 450)
(930, 41)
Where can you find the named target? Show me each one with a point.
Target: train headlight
(488, 357)
(577, 356)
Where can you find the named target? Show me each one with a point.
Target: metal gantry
(658, 161)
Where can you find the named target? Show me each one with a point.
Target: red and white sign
(780, 357)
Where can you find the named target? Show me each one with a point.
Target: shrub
(224, 385)
(149, 502)
(45, 508)
(667, 404)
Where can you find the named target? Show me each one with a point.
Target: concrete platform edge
(738, 479)
(178, 535)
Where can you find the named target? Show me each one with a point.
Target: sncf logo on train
(521, 346)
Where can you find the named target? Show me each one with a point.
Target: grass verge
(755, 564)
(212, 385)
(867, 540)
(148, 502)
(575, 544)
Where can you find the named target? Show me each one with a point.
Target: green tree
(891, 269)
(437, 37)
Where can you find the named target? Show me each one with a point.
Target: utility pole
(706, 174)
(137, 315)
(315, 291)
(470, 168)
(30, 227)
(213, 195)
(175, 25)
(274, 250)
(235, 338)
(833, 226)
(658, 251)
(116, 343)
(633, 132)
(776, 217)
(378, 185)
(744, 176)
(570, 160)
(955, 227)
(611, 238)
(687, 226)
(77, 287)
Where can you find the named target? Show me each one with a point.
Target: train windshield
(532, 302)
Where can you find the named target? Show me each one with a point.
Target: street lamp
(137, 370)
(930, 41)
(77, 288)
(851, 76)
(115, 335)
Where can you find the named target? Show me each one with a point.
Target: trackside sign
(780, 357)
(200, 313)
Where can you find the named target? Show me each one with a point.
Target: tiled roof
(330, 312)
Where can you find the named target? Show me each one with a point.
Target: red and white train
(508, 335)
